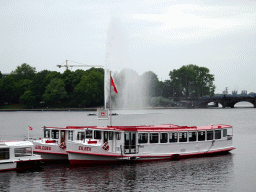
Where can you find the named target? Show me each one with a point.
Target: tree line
(85, 88)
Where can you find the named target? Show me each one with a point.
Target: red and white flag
(113, 84)
(30, 128)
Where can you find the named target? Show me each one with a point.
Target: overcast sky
(156, 35)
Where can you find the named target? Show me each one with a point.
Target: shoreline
(84, 109)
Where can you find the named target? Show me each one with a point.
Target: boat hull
(18, 165)
(81, 159)
(50, 152)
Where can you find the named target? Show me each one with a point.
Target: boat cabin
(16, 154)
(155, 139)
(59, 135)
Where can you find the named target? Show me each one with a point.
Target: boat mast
(110, 116)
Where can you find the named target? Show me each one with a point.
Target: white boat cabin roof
(16, 143)
(146, 128)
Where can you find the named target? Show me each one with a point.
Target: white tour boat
(113, 144)
(52, 146)
(17, 155)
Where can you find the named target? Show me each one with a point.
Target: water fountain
(129, 85)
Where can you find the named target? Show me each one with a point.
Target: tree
(8, 86)
(55, 92)
(24, 71)
(38, 86)
(193, 81)
(151, 84)
(28, 99)
(1, 75)
(90, 91)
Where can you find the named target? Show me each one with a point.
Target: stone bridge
(225, 101)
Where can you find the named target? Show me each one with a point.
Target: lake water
(232, 172)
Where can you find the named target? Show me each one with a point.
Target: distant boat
(91, 114)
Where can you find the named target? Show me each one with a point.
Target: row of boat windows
(18, 152)
(181, 136)
(145, 137)
(88, 134)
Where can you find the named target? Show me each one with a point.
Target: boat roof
(147, 128)
(15, 143)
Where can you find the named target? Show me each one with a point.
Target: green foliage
(38, 86)
(28, 99)
(24, 71)
(55, 92)
(151, 83)
(9, 88)
(0, 75)
(193, 81)
(90, 91)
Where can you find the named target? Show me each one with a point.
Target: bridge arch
(225, 101)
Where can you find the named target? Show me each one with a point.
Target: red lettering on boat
(84, 148)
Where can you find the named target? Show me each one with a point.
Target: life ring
(62, 145)
(105, 146)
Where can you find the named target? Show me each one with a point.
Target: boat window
(105, 136)
(97, 134)
(70, 135)
(126, 139)
(110, 136)
(4, 153)
(46, 133)
(88, 134)
(192, 136)
(118, 135)
(217, 134)
(209, 135)
(55, 134)
(80, 136)
(62, 134)
(201, 135)
(183, 137)
(25, 151)
(153, 138)
(143, 138)
(173, 137)
(225, 132)
(163, 137)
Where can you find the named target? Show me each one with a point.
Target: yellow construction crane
(82, 65)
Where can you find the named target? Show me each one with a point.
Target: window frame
(186, 134)
(97, 134)
(142, 141)
(173, 137)
(189, 138)
(118, 135)
(153, 134)
(219, 130)
(208, 135)
(70, 135)
(55, 134)
(199, 138)
(49, 133)
(22, 151)
(4, 153)
(161, 139)
(88, 135)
